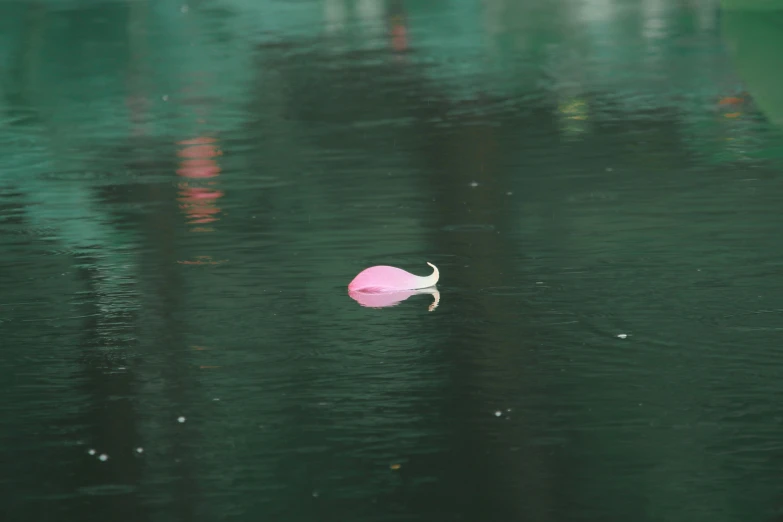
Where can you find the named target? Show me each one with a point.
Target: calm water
(187, 189)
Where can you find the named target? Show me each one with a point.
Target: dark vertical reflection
(178, 381)
(471, 218)
(109, 425)
(104, 476)
(111, 343)
(166, 388)
(467, 195)
(99, 474)
(21, 77)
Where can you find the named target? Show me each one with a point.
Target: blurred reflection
(203, 260)
(371, 13)
(754, 41)
(398, 30)
(573, 115)
(198, 198)
(399, 33)
(386, 299)
(334, 15)
(137, 99)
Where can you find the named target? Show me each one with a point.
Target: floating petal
(379, 279)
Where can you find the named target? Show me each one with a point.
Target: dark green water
(186, 191)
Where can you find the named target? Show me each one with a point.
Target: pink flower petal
(379, 279)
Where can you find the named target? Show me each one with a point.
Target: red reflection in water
(199, 203)
(198, 199)
(399, 34)
(730, 100)
(731, 106)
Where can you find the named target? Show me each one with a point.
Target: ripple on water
(264, 182)
(108, 489)
(414, 258)
(507, 291)
(468, 228)
(760, 320)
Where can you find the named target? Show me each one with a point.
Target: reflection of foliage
(574, 113)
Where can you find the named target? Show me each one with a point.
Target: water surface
(187, 190)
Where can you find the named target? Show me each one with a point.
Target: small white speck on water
(539, 282)
(474, 184)
(315, 494)
(622, 336)
(509, 193)
(181, 419)
(91, 451)
(216, 399)
(498, 413)
(139, 450)
(184, 8)
(609, 169)
(103, 457)
(165, 97)
(508, 410)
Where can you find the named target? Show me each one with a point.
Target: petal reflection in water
(386, 299)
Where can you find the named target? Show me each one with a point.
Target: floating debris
(103, 457)
(91, 451)
(622, 336)
(498, 413)
(395, 467)
(139, 450)
(181, 419)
